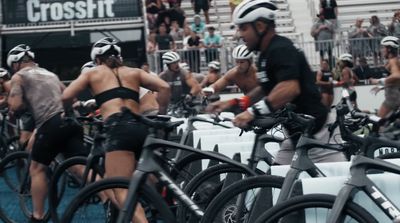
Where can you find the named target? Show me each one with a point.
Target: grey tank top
(42, 93)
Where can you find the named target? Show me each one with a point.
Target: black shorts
(123, 132)
(27, 122)
(57, 136)
(201, 5)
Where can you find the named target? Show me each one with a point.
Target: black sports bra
(118, 92)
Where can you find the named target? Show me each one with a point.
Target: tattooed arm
(15, 98)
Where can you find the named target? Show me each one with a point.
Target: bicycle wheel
(313, 208)
(15, 186)
(87, 206)
(63, 186)
(207, 184)
(236, 203)
(182, 171)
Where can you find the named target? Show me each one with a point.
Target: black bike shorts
(123, 132)
(58, 136)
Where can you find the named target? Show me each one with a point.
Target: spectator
(192, 54)
(362, 70)
(151, 50)
(376, 31)
(153, 7)
(212, 43)
(322, 31)
(164, 41)
(198, 26)
(359, 46)
(176, 32)
(204, 5)
(233, 4)
(394, 26)
(330, 10)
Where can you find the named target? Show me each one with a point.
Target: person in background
(212, 75)
(164, 41)
(243, 75)
(151, 49)
(204, 5)
(359, 45)
(212, 43)
(347, 79)
(394, 26)
(376, 32)
(181, 81)
(198, 26)
(324, 80)
(323, 31)
(362, 70)
(331, 12)
(192, 52)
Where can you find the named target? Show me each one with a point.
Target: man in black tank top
(283, 72)
(181, 81)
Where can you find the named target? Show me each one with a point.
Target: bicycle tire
(206, 182)
(14, 171)
(146, 193)
(58, 184)
(223, 207)
(296, 206)
(180, 170)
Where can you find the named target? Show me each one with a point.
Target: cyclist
(181, 81)
(347, 78)
(4, 85)
(39, 91)
(243, 75)
(325, 83)
(148, 99)
(283, 73)
(391, 84)
(116, 90)
(212, 75)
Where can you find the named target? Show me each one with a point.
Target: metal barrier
(329, 49)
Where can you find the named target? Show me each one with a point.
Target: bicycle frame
(360, 182)
(150, 163)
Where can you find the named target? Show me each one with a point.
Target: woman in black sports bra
(115, 88)
(324, 81)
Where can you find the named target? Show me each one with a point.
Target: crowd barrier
(198, 58)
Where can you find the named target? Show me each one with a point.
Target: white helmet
(87, 66)
(346, 57)
(184, 66)
(4, 73)
(170, 57)
(16, 54)
(390, 41)
(102, 46)
(251, 10)
(242, 53)
(214, 65)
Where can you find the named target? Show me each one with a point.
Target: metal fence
(198, 59)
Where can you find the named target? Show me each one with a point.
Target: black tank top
(326, 75)
(118, 92)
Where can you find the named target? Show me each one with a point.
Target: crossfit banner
(36, 11)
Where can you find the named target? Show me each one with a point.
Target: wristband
(233, 102)
(209, 90)
(244, 102)
(260, 108)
